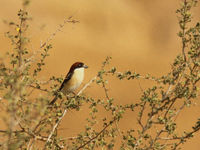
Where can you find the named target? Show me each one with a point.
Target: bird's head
(78, 65)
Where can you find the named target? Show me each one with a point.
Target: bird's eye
(80, 65)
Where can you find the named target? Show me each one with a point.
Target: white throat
(79, 75)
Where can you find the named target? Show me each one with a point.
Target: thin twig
(105, 90)
(99, 133)
(183, 32)
(44, 90)
(141, 115)
(56, 125)
(86, 85)
(68, 20)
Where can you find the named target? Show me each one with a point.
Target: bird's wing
(68, 76)
(54, 100)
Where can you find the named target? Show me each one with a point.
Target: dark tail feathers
(53, 101)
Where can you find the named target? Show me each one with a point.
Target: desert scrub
(32, 124)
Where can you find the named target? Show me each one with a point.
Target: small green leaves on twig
(42, 59)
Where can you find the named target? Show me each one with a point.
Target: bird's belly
(73, 86)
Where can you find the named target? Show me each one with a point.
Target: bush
(31, 123)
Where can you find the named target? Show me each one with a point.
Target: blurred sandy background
(139, 35)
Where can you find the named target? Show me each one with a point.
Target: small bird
(72, 80)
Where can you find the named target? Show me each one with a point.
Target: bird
(73, 79)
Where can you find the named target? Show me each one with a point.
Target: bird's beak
(85, 66)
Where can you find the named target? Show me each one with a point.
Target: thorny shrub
(32, 124)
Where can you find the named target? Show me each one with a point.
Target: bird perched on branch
(72, 80)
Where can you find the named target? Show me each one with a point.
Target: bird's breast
(75, 80)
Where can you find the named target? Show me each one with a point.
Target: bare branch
(68, 20)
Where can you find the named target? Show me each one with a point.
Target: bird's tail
(53, 101)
